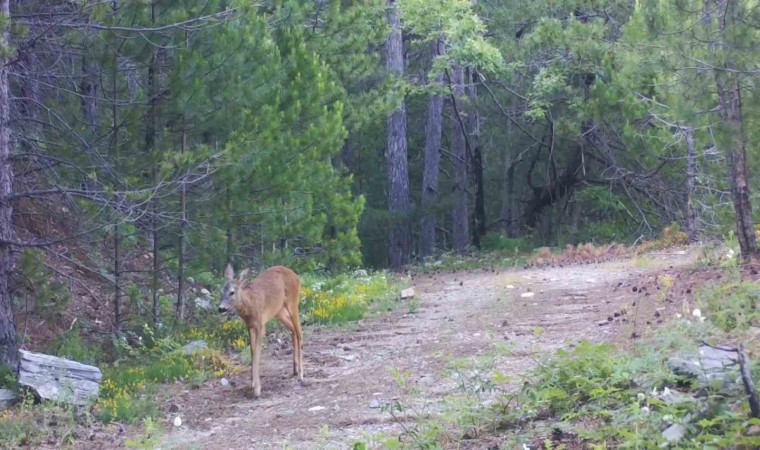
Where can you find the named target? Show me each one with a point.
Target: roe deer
(273, 294)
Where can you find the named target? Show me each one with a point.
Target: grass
(346, 297)
(30, 424)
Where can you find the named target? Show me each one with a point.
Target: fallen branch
(744, 368)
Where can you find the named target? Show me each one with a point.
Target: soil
(351, 372)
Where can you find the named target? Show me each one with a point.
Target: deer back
(269, 293)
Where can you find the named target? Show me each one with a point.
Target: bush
(731, 306)
(128, 391)
(587, 380)
(70, 345)
(342, 298)
(494, 242)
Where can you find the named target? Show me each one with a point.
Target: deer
(273, 294)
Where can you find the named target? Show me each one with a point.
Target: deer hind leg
(286, 319)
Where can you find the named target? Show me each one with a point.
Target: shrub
(731, 306)
(342, 298)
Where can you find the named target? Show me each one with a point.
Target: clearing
(352, 371)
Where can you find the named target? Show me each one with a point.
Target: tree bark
(691, 176)
(554, 190)
(398, 172)
(155, 86)
(8, 339)
(180, 307)
(459, 154)
(89, 90)
(117, 309)
(473, 119)
(730, 105)
(433, 130)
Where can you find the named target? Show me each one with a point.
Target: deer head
(231, 289)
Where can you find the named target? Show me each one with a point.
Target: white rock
(202, 303)
(375, 403)
(509, 286)
(205, 292)
(316, 408)
(407, 293)
(177, 421)
(225, 382)
(527, 294)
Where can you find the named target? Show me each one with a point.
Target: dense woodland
(329, 134)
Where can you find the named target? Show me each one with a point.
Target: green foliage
(732, 306)
(129, 391)
(610, 397)
(344, 298)
(591, 379)
(151, 437)
(8, 378)
(494, 242)
(72, 346)
(40, 286)
(32, 425)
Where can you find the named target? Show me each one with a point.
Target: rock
(674, 433)
(225, 382)
(194, 346)
(59, 379)
(527, 294)
(360, 273)
(203, 303)
(708, 367)
(510, 286)
(407, 293)
(675, 397)
(375, 403)
(8, 398)
(177, 421)
(316, 408)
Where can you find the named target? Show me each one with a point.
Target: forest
(383, 150)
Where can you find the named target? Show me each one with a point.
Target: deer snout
(222, 309)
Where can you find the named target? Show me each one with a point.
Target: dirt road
(352, 371)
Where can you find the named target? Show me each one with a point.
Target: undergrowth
(145, 357)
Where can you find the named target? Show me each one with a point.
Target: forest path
(350, 371)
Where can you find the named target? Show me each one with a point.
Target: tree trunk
(730, 104)
(433, 129)
(509, 224)
(8, 342)
(155, 86)
(89, 92)
(180, 307)
(691, 176)
(117, 310)
(473, 119)
(729, 95)
(459, 155)
(398, 174)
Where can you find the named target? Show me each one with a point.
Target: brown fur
(273, 294)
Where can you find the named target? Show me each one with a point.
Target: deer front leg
(257, 340)
(254, 346)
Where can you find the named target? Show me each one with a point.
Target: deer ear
(229, 273)
(243, 274)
